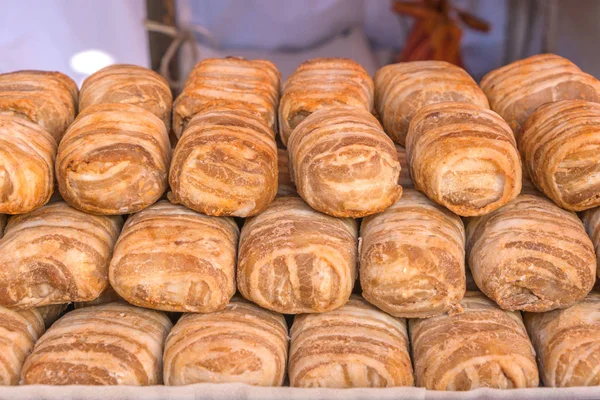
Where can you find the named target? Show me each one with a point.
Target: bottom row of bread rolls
(355, 345)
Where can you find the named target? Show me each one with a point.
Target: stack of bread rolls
(290, 230)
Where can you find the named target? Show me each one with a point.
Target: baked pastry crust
(483, 346)
(293, 259)
(353, 346)
(463, 157)
(111, 344)
(403, 89)
(343, 164)
(55, 255)
(242, 343)
(19, 331)
(48, 99)
(559, 146)
(128, 84)
(516, 90)
(531, 255)
(591, 221)
(114, 159)
(225, 164)
(174, 259)
(285, 186)
(412, 258)
(108, 295)
(404, 180)
(27, 154)
(321, 83)
(51, 312)
(232, 82)
(567, 343)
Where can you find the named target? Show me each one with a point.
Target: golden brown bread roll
(404, 88)
(51, 312)
(128, 84)
(55, 255)
(27, 153)
(285, 186)
(48, 99)
(404, 180)
(293, 259)
(111, 344)
(320, 83)
(242, 343)
(519, 88)
(114, 159)
(343, 164)
(19, 331)
(353, 346)
(225, 164)
(483, 346)
(531, 255)
(463, 157)
(232, 82)
(567, 343)
(174, 259)
(560, 147)
(412, 258)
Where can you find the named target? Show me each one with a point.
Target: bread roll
(293, 259)
(27, 153)
(321, 83)
(531, 255)
(404, 88)
(353, 346)
(225, 164)
(463, 157)
(412, 258)
(232, 82)
(174, 259)
(285, 186)
(114, 159)
(48, 99)
(128, 84)
(404, 180)
(480, 347)
(519, 88)
(560, 147)
(343, 164)
(112, 344)
(242, 343)
(55, 255)
(19, 331)
(51, 312)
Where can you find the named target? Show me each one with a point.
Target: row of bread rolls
(353, 346)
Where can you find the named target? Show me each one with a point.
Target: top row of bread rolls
(115, 156)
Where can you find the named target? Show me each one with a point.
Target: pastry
(403, 89)
(128, 84)
(285, 186)
(27, 153)
(225, 164)
(463, 157)
(404, 180)
(174, 259)
(48, 99)
(560, 147)
(519, 88)
(412, 258)
(531, 255)
(51, 312)
(321, 83)
(343, 164)
(293, 259)
(242, 343)
(567, 343)
(19, 331)
(483, 346)
(114, 159)
(353, 346)
(111, 344)
(55, 255)
(232, 82)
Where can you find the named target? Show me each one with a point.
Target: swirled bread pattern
(174, 259)
(55, 255)
(531, 255)
(293, 259)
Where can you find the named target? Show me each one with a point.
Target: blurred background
(79, 37)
